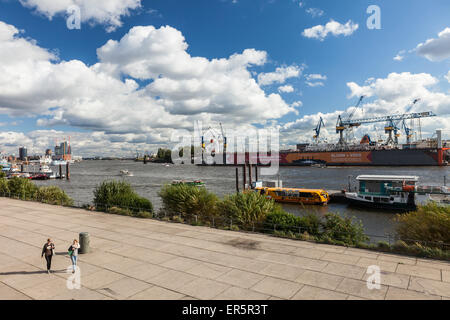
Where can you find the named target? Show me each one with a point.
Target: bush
(339, 230)
(283, 221)
(53, 195)
(188, 201)
(22, 188)
(4, 189)
(247, 209)
(120, 195)
(429, 224)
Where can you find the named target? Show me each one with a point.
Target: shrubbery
(253, 211)
(22, 188)
(344, 230)
(53, 195)
(429, 224)
(280, 220)
(115, 196)
(247, 209)
(25, 189)
(188, 201)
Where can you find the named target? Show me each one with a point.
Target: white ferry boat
(58, 162)
(385, 192)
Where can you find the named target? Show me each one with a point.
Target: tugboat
(385, 192)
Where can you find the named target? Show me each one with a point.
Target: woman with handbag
(73, 253)
(48, 250)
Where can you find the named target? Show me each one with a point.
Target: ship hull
(400, 157)
(390, 157)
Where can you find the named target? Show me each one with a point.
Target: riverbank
(147, 259)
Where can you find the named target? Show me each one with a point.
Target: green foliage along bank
(25, 189)
(118, 197)
(429, 225)
(253, 211)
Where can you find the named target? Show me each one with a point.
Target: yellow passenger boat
(295, 195)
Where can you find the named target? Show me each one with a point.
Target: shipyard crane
(391, 119)
(408, 132)
(317, 130)
(342, 125)
(392, 128)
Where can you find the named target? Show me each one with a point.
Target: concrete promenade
(146, 259)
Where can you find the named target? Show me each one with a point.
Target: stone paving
(146, 259)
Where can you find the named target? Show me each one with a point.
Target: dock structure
(134, 258)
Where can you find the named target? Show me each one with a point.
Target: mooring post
(245, 175)
(250, 174)
(67, 170)
(237, 180)
(60, 171)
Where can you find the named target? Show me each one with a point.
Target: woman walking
(73, 253)
(48, 250)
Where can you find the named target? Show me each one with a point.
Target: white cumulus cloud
(436, 49)
(280, 75)
(286, 89)
(335, 28)
(105, 12)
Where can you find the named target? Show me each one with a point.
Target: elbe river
(148, 179)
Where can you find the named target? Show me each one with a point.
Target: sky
(124, 75)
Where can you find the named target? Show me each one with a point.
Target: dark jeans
(49, 262)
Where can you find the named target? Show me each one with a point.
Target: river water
(149, 178)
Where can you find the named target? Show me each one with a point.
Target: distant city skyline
(137, 70)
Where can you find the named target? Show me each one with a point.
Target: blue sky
(220, 28)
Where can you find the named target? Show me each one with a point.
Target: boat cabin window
(368, 198)
(370, 186)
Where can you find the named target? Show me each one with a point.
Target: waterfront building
(63, 151)
(23, 154)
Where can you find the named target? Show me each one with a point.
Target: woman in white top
(73, 252)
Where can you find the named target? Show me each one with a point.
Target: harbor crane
(408, 132)
(343, 125)
(392, 128)
(317, 130)
(391, 119)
